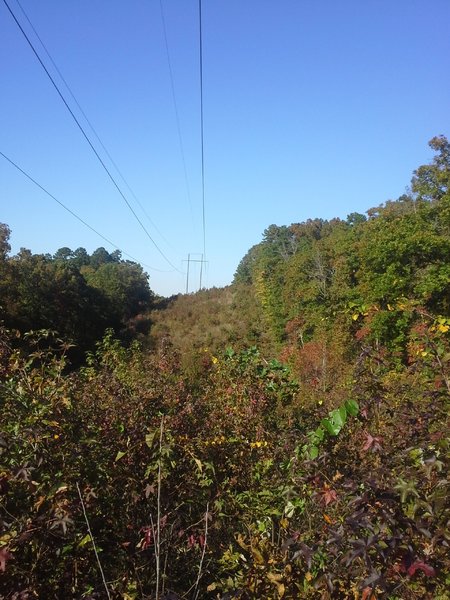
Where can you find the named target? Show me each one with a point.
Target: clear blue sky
(312, 108)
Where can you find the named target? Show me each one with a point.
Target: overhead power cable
(201, 125)
(89, 122)
(89, 141)
(76, 216)
(177, 117)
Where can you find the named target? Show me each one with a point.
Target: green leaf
(335, 421)
(319, 434)
(313, 452)
(289, 510)
(149, 438)
(198, 462)
(331, 426)
(352, 407)
(339, 415)
(84, 541)
(119, 455)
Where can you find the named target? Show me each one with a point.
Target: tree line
(307, 277)
(74, 293)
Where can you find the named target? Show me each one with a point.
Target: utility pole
(192, 260)
(187, 277)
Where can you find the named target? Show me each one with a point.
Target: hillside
(208, 322)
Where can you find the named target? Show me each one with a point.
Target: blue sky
(312, 108)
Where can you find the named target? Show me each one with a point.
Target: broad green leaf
(339, 415)
(289, 510)
(352, 407)
(331, 426)
(313, 452)
(335, 421)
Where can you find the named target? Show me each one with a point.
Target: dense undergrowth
(229, 485)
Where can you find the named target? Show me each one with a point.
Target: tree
(52, 294)
(124, 284)
(64, 253)
(6, 278)
(100, 257)
(245, 270)
(80, 258)
(431, 182)
(280, 241)
(5, 247)
(356, 218)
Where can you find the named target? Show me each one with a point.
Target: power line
(177, 117)
(88, 140)
(201, 125)
(88, 121)
(189, 261)
(76, 216)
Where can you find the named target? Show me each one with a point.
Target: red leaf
(372, 442)
(149, 489)
(147, 540)
(419, 565)
(367, 594)
(5, 555)
(328, 495)
(163, 521)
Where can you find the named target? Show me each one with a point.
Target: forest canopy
(75, 294)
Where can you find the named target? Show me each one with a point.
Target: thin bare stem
(166, 559)
(93, 542)
(200, 566)
(158, 516)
